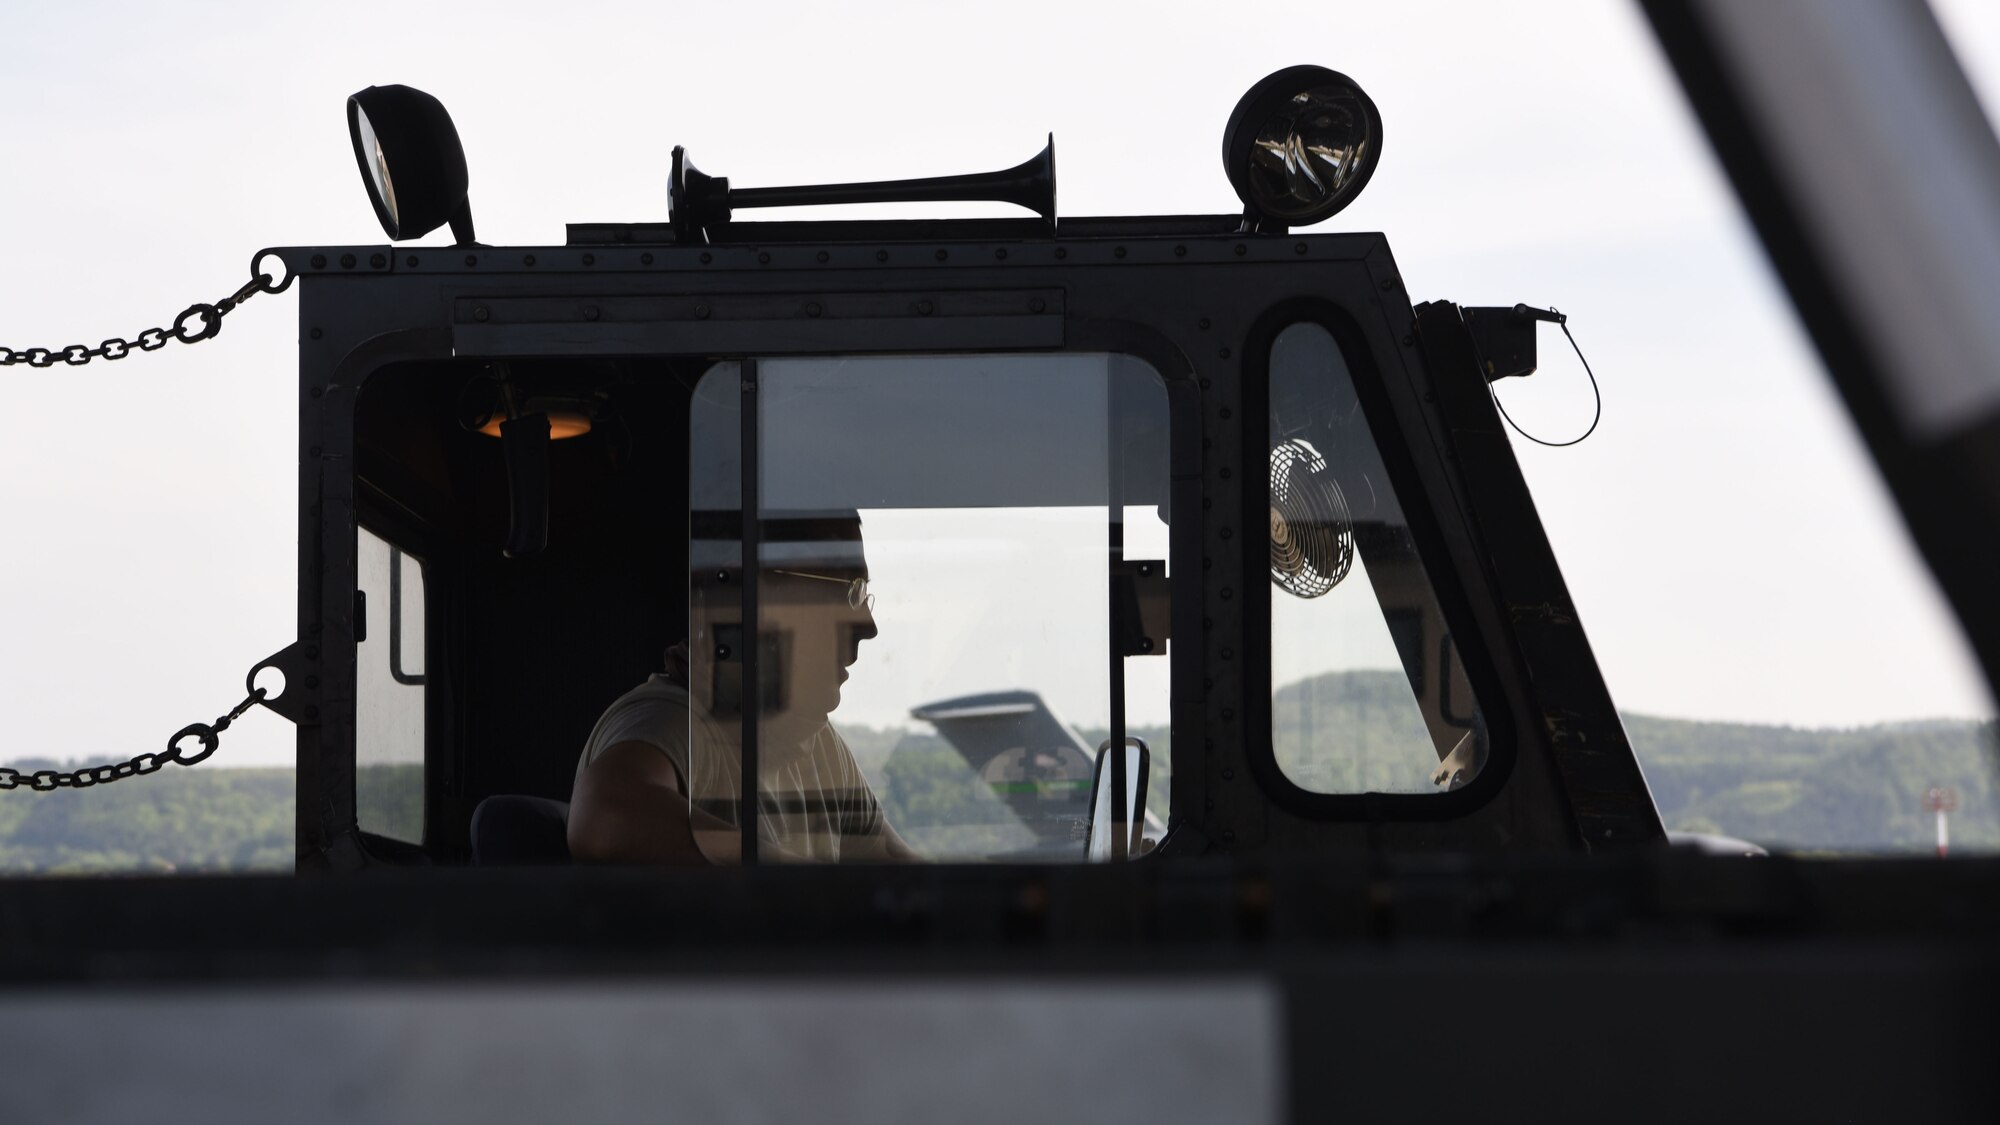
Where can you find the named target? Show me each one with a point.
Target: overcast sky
(1731, 549)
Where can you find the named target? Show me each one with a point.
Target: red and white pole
(1942, 801)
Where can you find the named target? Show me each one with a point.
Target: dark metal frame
(1626, 968)
(1199, 308)
(402, 530)
(396, 672)
(1398, 429)
(751, 455)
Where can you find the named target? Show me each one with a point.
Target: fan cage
(1312, 532)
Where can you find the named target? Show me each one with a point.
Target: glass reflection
(934, 602)
(1368, 691)
(1310, 152)
(378, 164)
(815, 805)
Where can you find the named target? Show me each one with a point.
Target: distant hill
(1860, 789)
(1842, 790)
(211, 818)
(204, 819)
(1851, 790)
(1353, 732)
(1848, 790)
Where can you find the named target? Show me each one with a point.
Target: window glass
(389, 695)
(1368, 694)
(952, 548)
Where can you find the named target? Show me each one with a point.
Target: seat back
(513, 830)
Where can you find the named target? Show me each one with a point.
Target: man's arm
(895, 850)
(877, 842)
(628, 807)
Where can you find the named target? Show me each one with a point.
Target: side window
(389, 692)
(961, 590)
(1367, 691)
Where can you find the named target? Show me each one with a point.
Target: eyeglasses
(858, 596)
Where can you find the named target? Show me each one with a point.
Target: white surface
(884, 1051)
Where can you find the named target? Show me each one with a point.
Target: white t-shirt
(811, 797)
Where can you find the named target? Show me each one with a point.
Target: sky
(1730, 548)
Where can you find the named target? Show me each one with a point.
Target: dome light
(562, 424)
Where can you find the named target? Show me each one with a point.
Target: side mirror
(1118, 801)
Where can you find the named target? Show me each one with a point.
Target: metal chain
(209, 317)
(47, 781)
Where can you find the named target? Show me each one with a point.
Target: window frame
(1177, 381)
(404, 534)
(1399, 430)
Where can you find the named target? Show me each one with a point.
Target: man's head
(815, 609)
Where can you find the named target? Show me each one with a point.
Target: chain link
(196, 323)
(208, 734)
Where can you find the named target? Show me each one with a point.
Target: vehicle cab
(1113, 538)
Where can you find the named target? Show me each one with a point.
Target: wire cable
(1597, 412)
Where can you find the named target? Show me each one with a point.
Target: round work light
(1301, 145)
(411, 160)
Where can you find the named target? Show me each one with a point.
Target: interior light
(562, 424)
(411, 161)
(1301, 145)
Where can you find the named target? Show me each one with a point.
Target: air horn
(695, 200)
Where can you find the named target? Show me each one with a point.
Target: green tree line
(1857, 790)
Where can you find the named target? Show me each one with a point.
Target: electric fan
(1312, 534)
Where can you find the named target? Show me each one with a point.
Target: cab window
(389, 691)
(960, 574)
(1368, 692)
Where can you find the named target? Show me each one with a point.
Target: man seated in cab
(660, 778)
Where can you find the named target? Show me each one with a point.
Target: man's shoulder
(655, 712)
(832, 751)
(655, 689)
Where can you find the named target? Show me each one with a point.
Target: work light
(411, 160)
(1301, 145)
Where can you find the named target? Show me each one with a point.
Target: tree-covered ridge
(1856, 790)
(203, 819)
(1353, 732)
(207, 819)
(1853, 790)
(1818, 790)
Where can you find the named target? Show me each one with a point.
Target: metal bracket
(1504, 339)
(1141, 609)
(294, 664)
